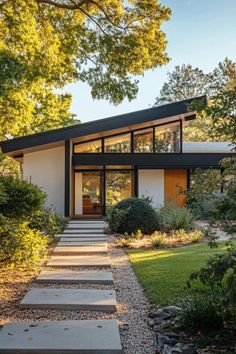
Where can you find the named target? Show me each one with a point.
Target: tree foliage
(46, 44)
(217, 121)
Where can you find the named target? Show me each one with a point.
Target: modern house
(87, 168)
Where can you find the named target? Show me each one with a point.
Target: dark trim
(161, 160)
(188, 179)
(67, 176)
(181, 136)
(101, 125)
(136, 181)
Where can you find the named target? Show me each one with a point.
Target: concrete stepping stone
(73, 250)
(70, 299)
(57, 337)
(70, 276)
(79, 261)
(81, 243)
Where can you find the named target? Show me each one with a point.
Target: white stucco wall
(151, 184)
(46, 168)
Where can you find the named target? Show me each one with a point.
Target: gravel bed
(136, 335)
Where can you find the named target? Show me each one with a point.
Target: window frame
(131, 132)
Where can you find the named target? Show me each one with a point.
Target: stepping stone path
(82, 244)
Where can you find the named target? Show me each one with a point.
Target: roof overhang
(85, 131)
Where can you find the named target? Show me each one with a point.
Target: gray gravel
(133, 307)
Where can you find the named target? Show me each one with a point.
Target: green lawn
(164, 273)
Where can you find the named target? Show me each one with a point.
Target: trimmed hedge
(131, 215)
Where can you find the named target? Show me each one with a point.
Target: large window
(164, 138)
(143, 140)
(94, 146)
(119, 186)
(118, 144)
(167, 138)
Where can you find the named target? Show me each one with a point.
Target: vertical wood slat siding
(175, 179)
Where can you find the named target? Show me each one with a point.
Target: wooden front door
(175, 181)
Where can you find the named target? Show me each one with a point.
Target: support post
(67, 176)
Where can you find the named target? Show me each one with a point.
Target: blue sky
(200, 32)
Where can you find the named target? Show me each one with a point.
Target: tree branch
(77, 6)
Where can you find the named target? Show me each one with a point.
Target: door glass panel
(90, 147)
(119, 186)
(118, 144)
(91, 193)
(143, 140)
(167, 138)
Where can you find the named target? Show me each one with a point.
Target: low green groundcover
(164, 273)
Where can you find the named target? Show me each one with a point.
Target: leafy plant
(173, 218)
(20, 246)
(48, 221)
(160, 239)
(133, 214)
(22, 198)
(201, 313)
(219, 275)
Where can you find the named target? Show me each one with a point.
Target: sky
(200, 32)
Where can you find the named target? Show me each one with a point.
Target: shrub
(133, 214)
(160, 239)
(20, 246)
(173, 218)
(219, 275)
(22, 198)
(201, 313)
(48, 221)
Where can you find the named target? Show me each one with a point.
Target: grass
(164, 273)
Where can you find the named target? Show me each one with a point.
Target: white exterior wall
(207, 147)
(151, 184)
(46, 168)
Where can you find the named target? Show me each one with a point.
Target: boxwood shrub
(131, 215)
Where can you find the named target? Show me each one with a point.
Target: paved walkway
(82, 244)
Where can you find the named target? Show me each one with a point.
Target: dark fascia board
(165, 160)
(100, 125)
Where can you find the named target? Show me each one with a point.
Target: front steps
(77, 247)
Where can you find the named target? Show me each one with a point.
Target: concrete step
(80, 277)
(83, 231)
(81, 235)
(95, 221)
(70, 299)
(79, 239)
(73, 250)
(85, 226)
(61, 337)
(79, 261)
(83, 243)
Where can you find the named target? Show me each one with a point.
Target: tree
(222, 110)
(183, 83)
(188, 82)
(46, 44)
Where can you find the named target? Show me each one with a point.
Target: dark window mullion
(153, 140)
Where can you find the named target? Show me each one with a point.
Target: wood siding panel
(175, 179)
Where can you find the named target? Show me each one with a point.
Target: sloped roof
(100, 125)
